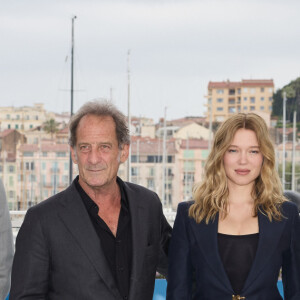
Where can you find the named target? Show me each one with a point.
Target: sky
(176, 47)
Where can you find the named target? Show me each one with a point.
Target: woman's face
(243, 159)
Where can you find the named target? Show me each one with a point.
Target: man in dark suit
(101, 238)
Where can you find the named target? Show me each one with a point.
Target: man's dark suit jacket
(194, 256)
(59, 257)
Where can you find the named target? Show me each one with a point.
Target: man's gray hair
(101, 109)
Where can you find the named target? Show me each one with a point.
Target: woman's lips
(242, 171)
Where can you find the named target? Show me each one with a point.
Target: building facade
(227, 98)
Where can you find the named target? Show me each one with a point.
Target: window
(45, 154)
(245, 107)
(220, 100)
(219, 108)
(11, 194)
(16, 126)
(11, 169)
(65, 179)
(133, 158)
(18, 117)
(30, 126)
(66, 166)
(11, 181)
(270, 90)
(262, 89)
(150, 183)
(231, 101)
(231, 91)
(231, 110)
(270, 108)
(61, 154)
(245, 90)
(262, 98)
(252, 107)
(151, 172)
(32, 178)
(8, 126)
(170, 159)
(27, 117)
(36, 117)
(262, 108)
(220, 91)
(43, 165)
(7, 117)
(270, 99)
(252, 90)
(27, 154)
(252, 99)
(134, 171)
(245, 98)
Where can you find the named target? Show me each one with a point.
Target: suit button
(125, 297)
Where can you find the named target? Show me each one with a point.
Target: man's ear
(73, 155)
(124, 153)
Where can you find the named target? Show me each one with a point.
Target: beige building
(24, 118)
(226, 98)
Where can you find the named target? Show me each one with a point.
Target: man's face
(97, 152)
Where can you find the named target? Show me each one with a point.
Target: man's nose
(94, 156)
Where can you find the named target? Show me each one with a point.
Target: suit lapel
(206, 236)
(269, 235)
(76, 219)
(139, 230)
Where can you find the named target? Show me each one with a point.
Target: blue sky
(176, 48)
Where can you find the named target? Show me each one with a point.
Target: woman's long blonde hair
(211, 195)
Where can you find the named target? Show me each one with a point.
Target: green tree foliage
(51, 126)
(293, 100)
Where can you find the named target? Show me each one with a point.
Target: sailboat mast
(72, 95)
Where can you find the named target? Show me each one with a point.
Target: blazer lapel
(269, 235)
(139, 237)
(76, 219)
(206, 235)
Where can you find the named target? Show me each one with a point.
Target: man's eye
(104, 147)
(84, 148)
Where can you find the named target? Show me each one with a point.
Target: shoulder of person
(289, 208)
(48, 206)
(185, 205)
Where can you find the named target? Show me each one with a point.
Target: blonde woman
(232, 241)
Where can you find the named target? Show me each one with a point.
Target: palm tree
(51, 126)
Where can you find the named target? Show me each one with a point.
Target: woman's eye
(232, 150)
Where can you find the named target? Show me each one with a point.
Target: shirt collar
(89, 203)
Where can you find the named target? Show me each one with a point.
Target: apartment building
(24, 118)
(226, 98)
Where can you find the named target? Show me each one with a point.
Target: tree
(51, 126)
(293, 100)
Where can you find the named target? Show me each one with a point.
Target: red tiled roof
(244, 83)
(45, 147)
(152, 146)
(6, 132)
(194, 144)
(29, 147)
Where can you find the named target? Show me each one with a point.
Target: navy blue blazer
(196, 270)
